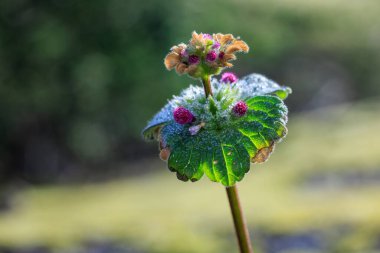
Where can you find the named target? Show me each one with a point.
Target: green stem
(239, 221)
(207, 85)
(233, 197)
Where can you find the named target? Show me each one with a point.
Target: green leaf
(224, 154)
(219, 143)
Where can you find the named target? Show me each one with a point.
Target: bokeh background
(79, 80)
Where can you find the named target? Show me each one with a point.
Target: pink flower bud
(182, 115)
(228, 77)
(183, 53)
(211, 56)
(240, 108)
(193, 59)
(207, 36)
(216, 45)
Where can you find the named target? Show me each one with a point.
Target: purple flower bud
(240, 108)
(211, 56)
(193, 59)
(221, 55)
(182, 115)
(207, 36)
(216, 45)
(183, 53)
(228, 77)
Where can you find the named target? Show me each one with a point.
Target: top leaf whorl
(240, 123)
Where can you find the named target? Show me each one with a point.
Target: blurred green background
(79, 80)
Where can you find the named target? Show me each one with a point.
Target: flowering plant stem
(207, 85)
(233, 198)
(239, 221)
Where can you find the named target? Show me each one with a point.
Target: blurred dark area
(79, 80)
(76, 84)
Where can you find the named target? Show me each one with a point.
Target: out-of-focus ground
(80, 79)
(323, 200)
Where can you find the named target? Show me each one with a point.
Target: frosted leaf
(193, 99)
(218, 143)
(224, 153)
(256, 84)
(162, 117)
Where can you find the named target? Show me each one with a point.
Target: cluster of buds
(205, 54)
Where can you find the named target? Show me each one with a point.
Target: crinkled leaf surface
(225, 144)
